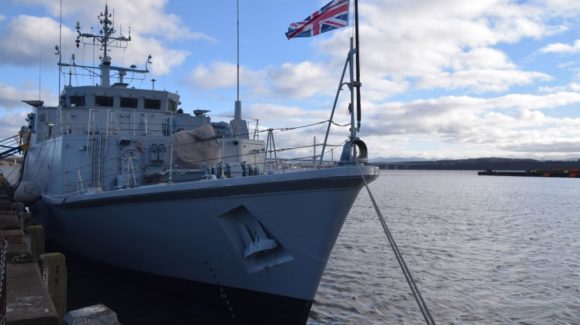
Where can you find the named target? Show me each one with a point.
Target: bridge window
(106, 101)
(128, 102)
(172, 106)
(152, 104)
(77, 101)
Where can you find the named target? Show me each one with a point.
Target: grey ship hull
(267, 237)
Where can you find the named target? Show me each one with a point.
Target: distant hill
(396, 159)
(481, 164)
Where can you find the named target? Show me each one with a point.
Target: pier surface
(25, 299)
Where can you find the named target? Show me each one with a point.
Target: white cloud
(571, 87)
(535, 102)
(302, 80)
(11, 122)
(511, 123)
(296, 81)
(223, 75)
(280, 115)
(378, 88)
(562, 48)
(217, 75)
(11, 97)
(564, 8)
(482, 58)
(481, 80)
(27, 38)
(164, 59)
(146, 17)
(443, 43)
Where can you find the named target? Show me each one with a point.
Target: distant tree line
(482, 164)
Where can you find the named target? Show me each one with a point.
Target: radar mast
(106, 40)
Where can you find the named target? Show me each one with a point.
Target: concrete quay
(33, 287)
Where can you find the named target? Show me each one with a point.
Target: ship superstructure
(94, 124)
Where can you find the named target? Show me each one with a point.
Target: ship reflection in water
(138, 298)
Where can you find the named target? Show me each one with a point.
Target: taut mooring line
(410, 281)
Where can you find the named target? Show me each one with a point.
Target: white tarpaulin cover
(192, 149)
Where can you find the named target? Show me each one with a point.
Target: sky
(440, 78)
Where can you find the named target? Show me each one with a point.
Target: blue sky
(441, 78)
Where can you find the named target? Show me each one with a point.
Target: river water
(482, 249)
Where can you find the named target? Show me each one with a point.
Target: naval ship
(122, 176)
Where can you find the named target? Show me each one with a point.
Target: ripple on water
(483, 250)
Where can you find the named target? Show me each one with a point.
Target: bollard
(36, 237)
(54, 276)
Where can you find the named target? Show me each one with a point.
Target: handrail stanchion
(171, 164)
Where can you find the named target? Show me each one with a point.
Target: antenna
(39, 75)
(59, 51)
(106, 40)
(239, 126)
(238, 50)
(59, 39)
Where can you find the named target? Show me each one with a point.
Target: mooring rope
(406, 272)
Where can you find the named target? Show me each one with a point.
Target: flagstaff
(357, 84)
(335, 15)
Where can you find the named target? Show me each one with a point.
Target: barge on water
(569, 173)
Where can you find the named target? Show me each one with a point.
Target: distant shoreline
(480, 164)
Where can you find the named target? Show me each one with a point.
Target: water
(482, 249)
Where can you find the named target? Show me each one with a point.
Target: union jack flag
(332, 16)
